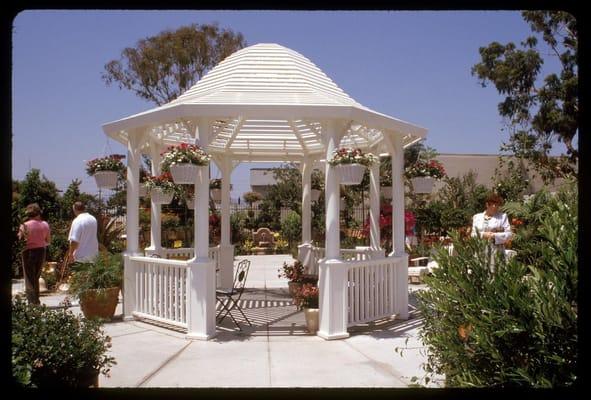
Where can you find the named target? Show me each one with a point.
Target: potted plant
(106, 170)
(161, 188)
(143, 191)
(307, 299)
(215, 185)
(294, 274)
(97, 283)
(183, 162)
(423, 175)
(351, 164)
(56, 348)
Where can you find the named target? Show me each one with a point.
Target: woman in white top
(492, 224)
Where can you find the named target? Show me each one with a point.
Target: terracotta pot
(294, 287)
(99, 303)
(311, 319)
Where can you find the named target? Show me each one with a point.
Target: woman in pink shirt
(37, 235)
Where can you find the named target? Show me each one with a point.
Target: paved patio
(276, 352)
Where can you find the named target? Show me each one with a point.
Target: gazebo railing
(372, 289)
(361, 253)
(161, 289)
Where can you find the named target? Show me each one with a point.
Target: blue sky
(414, 66)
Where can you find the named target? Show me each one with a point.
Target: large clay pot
(311, 319)
(99, 303)
(185, 173)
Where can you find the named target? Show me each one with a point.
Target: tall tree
(538, 114)
(37, 189)
(159, 68)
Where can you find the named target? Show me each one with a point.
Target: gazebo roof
(266, 102)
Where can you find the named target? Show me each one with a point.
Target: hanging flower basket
(386, 192)
(351, 174)
(106, 179)
(315, 194)
(351, 164)
(184, 173)
(143, 192)
(190, 203)
(161, 188)
(183, 162)
(106, 170)
(216, 195)
(423, 184)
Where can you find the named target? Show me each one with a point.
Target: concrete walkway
(276, 352)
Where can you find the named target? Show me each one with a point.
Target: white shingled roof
(267, 103)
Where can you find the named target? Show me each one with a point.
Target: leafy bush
(56, 348)
(291, 227)
(103, 272)
(516, 326)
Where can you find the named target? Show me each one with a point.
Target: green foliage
(516, 326)
(35, 189)
(109, 234)
(55, 348)
(538, 116)
(159, 68)
(291, 228)
(512, 183)
(251, 197)
(103, 272)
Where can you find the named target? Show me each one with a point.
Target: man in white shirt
(83, 235)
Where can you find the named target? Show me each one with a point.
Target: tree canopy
(538, 112)
(159, 68)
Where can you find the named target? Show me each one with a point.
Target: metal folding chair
(229, 298)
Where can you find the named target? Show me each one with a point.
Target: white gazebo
(265, 103)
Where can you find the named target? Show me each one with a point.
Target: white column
(305, 248)
(332, 271)
(398, 250)
(155, 208)
(132, 224)
(374, 207)
(202, 285)
(226, 256)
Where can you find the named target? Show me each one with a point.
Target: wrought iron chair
(229, 298)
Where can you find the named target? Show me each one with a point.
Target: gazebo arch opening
(265, 103)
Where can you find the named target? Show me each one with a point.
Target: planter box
(422, 184)
(351, 174)
(106, 179)
(159, 197)
(184, 173)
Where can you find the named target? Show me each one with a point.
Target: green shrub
(291, 227)
(103, 272)
(516, 326)
(56, 348)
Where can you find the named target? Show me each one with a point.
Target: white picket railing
(161, 289)
(185, 253)
(362, 253)
(372, 289)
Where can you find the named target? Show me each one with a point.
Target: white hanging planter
(386, 192)
(315, 194)
(190, 203)
(216, 194)
(423, 184)
(106, 179)
(143, 192)
(185, 173)
(159, 197)
(351, 174)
